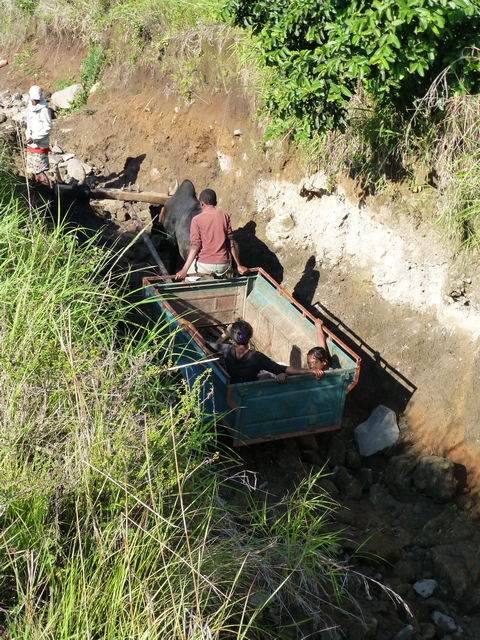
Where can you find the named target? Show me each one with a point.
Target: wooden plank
(100, 193)
(147, 241)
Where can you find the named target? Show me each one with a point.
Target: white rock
(238, 132)
(445, 623)
(379, 432)
(425, 588)
(315, 183)
(54, 158)
(57, 149)
(21, 116)
(68, 156)
(87, 168)
(280, 228)
(225, 161)
(75, 170)
(66, 97)
(95, 87)
(112, 206)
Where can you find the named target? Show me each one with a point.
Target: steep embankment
(377, 269)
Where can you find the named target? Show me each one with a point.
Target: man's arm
(192, 254)
(281, 371)
(321, 338)
(241, 270)
(294, 371)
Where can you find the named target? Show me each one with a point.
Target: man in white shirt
(39, 125)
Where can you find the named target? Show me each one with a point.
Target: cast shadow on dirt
(305, 288)
(379, 382)
(255, 253)
(128, 176)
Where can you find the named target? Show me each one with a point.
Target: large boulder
(65, 98)
(456, 568)
(20, 116)
(373, 548)
(377, 433)
(448, 527)
(399, 477)
(435, 477)
(75, 170)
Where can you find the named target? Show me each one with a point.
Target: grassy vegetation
(452, 160)
(140, 23)
(111, 521)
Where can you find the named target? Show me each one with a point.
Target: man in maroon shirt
(211, 241)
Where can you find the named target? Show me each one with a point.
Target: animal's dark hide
(72, 209)
(176, 219)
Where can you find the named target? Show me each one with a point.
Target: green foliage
(90, 71)
(62, 83)
(93, 65)
(319, 52)
(29, 6)
(22, 60)
(456, 160)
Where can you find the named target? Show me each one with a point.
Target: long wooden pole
(100, 193)
(147, 241)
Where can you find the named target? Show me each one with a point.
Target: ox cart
(282, 329)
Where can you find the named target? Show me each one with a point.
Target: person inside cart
(319, 360)
(247, 365)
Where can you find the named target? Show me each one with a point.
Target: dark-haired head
(318, 358)
(208, 196)
(241, 332)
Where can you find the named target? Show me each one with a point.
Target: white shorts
(203, 267)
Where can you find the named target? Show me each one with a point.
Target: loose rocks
(377, 433)
(435, 477)
(425, 588)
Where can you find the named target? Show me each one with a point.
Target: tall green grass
(455, 158)
(111, 520)
(144, 20)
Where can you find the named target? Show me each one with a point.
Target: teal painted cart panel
(260, 410)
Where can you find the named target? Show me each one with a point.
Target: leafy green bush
(320, 51)
(93, 65)
(90, 71)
